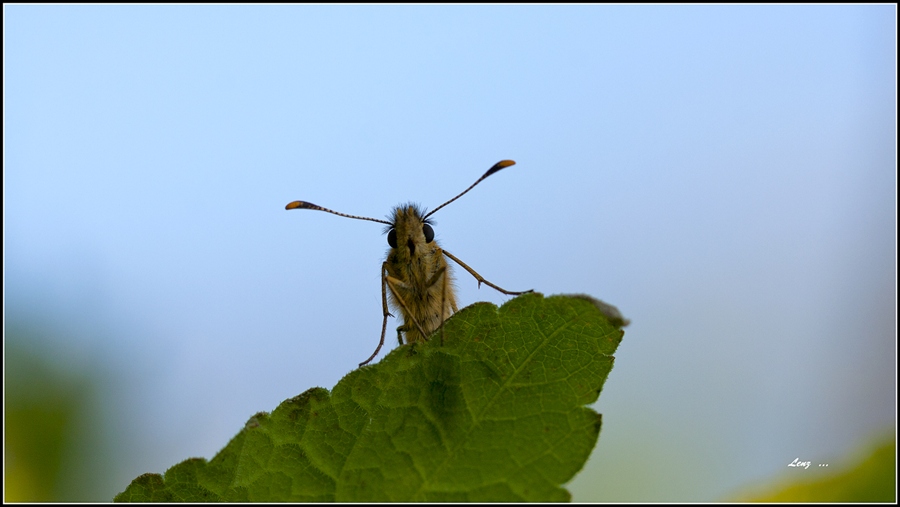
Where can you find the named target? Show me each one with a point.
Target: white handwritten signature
(803, 464)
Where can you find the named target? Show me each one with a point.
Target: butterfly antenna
(309, 205)
(492, 170)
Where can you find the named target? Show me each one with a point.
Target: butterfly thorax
(415, 259)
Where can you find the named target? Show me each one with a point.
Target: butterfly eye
(392, 238)
(428, 232)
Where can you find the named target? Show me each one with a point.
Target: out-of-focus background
(725, 176)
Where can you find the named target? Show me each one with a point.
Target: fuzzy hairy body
(415, 277)
(418, 279)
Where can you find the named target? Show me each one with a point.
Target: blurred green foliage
(49, 440)
(873, 479)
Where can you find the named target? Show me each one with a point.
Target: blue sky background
(724, 175)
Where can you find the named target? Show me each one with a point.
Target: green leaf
(496, 413)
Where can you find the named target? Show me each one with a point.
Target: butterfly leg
(481, 279)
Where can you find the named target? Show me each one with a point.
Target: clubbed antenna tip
(492, 170)
(309, 205)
